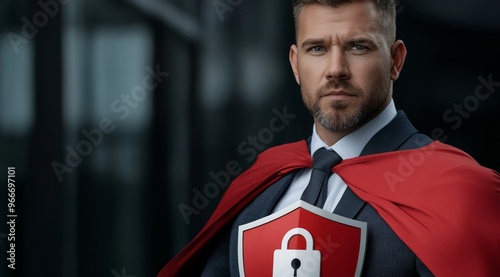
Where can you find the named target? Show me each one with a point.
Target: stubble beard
(339, 118)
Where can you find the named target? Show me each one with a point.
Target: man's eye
(359, 48)
(316, 49)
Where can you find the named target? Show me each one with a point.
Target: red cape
(437, 199)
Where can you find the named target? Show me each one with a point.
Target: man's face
(344, 64)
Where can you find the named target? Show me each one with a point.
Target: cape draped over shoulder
(437, 199)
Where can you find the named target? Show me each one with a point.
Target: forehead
(357, 18)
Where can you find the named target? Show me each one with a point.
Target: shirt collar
(351, 145)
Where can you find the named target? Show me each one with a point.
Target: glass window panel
(16, 88)
(120, 57)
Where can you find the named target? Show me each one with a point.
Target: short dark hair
(387, 9)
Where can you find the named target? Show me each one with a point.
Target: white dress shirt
(348, 147)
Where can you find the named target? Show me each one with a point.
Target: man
(345, 60)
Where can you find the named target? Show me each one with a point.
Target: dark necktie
(316, 191)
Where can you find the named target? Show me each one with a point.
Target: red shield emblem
(302, 240)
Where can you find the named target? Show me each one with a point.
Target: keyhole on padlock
(295, 266)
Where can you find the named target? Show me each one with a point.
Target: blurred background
(126, 119)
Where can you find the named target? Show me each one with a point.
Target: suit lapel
(389, 138)
(350, 204)
(264, 203)
(275, 192)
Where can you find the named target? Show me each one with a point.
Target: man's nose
(337, 67)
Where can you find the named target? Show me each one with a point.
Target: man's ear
(293, 62)
(398, 55)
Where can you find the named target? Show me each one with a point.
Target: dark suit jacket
(386, 254)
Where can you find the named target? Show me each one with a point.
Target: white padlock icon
(296, 262)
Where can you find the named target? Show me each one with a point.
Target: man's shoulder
(436, 162)
(281, 158)
(456, 162)
(440, 163)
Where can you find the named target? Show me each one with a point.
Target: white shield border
(313, 209)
